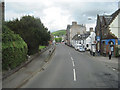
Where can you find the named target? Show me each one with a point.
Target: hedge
(14, 49)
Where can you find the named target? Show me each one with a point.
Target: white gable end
(115, 27)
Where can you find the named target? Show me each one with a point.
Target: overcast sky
(57, 14)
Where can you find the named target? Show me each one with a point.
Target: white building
(90, 41)
(80, 39)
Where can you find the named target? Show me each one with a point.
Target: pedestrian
(98, 52)
(110, 54)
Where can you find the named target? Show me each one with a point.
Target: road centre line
(71, 58)
(74, 74)
(73, 63)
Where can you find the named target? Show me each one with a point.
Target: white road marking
(71, 58)
(74, 74)
(73, 63)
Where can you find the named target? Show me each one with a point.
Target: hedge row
(14, 49)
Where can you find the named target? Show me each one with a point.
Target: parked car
(77, 46)
(81, 49)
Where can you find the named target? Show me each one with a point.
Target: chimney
(74, 23)
(91, 29)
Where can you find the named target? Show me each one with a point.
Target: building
(80, 39)
(107, 32)
(90, 40)
(73, 30)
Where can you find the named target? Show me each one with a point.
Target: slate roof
(81, 36)
(109, 18)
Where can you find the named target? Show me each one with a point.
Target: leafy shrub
(14, 49)
(41, 47)
(32, 30)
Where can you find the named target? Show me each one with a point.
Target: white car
(81, 49)
(77, 46)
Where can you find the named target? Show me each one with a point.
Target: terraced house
(107, 33)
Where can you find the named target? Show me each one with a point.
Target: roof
(80, 36)
(101, 18)
(108, 19)
(110, 36)
(114, 15)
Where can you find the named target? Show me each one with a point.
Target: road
(72, 69)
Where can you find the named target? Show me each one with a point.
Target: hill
(59, 33)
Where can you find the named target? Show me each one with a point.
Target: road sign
(98, 38)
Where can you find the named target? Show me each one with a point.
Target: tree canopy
(14, 49)
(32, 30)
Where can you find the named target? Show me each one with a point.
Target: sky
(57, 14)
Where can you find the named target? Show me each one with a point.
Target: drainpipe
(100, 41)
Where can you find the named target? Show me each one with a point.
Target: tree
(32, 30)
(58, 39)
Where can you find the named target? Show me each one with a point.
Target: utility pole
(3, 10)
(1, 24)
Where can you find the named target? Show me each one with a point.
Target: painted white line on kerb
(73, 63)
(74, 74)
(71, 58)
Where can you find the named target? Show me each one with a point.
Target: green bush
(58, 39)
(32, 30)
(14, 49)
(41, 47)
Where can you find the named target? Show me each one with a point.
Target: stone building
(72, 30)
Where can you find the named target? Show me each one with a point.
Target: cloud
(56, 18)
(56, 14)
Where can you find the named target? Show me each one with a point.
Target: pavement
(69, 68)
(112, 63)
(20, 77)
